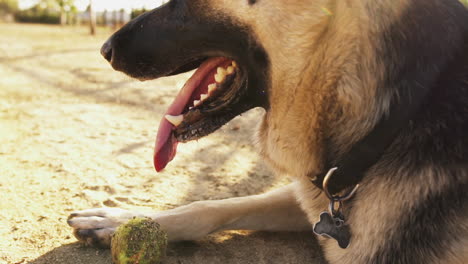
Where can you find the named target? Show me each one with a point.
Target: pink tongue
(166, 144)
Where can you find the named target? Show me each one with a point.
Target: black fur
(431, 229)
(428, 47)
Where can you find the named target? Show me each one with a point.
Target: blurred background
(74, 12)
(75, 134)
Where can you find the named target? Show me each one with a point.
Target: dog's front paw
(96, 226)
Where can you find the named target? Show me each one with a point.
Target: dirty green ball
(139, 241)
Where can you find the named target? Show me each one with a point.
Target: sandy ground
(74, 135)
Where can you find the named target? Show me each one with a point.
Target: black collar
(353, 166)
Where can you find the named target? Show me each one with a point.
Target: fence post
(92, 18)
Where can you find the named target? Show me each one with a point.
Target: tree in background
(465, 2)
(8, 6)
(45, 11)
(67, 8)
(92, 18)
(137, 12)
(7, 10)
(49, 11)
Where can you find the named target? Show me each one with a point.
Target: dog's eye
(252, 2)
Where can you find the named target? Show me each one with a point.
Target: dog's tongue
(166, 143)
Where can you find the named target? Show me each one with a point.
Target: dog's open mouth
(232, 73)
(214, 95)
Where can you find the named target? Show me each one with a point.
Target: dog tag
(333, 227)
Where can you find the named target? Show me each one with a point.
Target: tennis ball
(139, 241)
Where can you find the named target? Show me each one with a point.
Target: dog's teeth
(203, 97)
(212, 87)
(196, 102)
(221, 70)
(230, 70)
(175, 120)
(219, 77)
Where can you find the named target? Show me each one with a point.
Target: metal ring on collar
(336, 198)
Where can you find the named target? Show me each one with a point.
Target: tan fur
(312, 71)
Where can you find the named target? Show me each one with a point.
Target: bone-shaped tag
(333, 227)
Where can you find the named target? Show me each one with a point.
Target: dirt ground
(74, 135)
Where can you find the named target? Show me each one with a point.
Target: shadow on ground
(238, 247)
(74, 253)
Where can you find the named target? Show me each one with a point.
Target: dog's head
(325, 70)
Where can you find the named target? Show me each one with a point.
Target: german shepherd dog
(327, 72)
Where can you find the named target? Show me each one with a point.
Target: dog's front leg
(273, 211)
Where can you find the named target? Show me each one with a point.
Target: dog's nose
(106, 51)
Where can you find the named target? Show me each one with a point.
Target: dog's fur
(334, 67)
